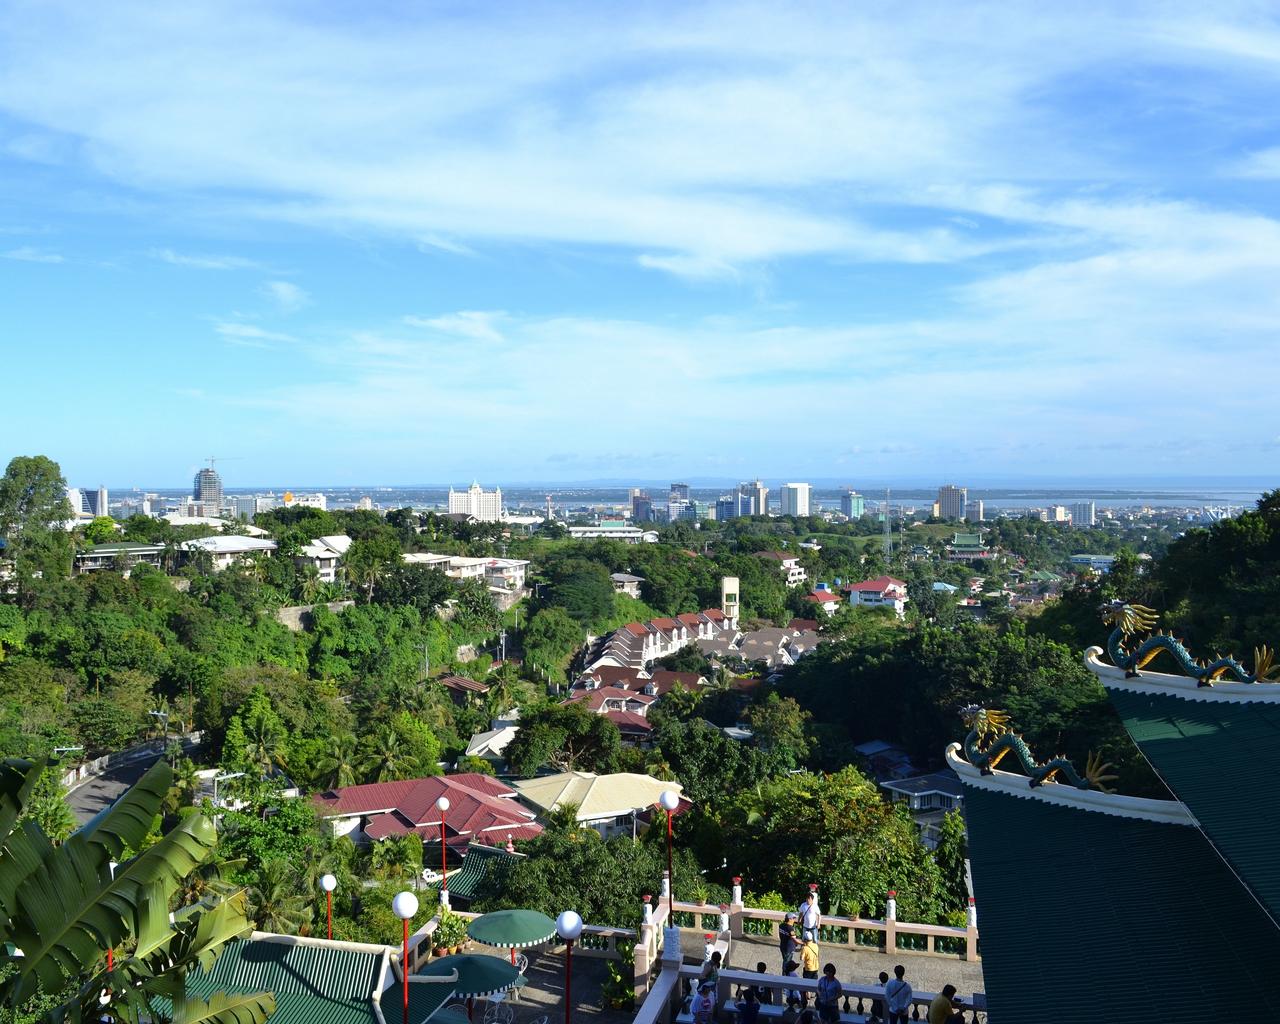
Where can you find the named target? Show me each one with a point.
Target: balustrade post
(971, 931)
(736, 908)
(666, 886)
(724, 917)
(891, 922)
(648, 909)
(640, 980)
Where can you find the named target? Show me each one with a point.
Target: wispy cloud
(250, 335)
(288, 296)
(204, 261)
(477, 325)
(29, 254)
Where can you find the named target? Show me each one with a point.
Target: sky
(435, 242)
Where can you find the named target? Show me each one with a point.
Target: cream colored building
(486, 506)
(610, 804)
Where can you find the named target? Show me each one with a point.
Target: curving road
(98, 791)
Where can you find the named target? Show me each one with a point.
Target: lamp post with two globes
(568, 927)
(405, 906)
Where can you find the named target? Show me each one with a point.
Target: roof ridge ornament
(991, 739)
(1132, 619)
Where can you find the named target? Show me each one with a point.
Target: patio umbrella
(478, 975)
(513, 929)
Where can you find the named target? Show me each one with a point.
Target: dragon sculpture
(1132, 619)
(991, 739)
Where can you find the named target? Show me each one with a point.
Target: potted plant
(700, 892)
(451, 932)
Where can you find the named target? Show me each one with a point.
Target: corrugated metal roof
(1220, 758)
(329, 984)
(1085, 915)
(469, 880)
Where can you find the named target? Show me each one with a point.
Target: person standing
(810, 917)
(703, 1007)
(749, 1006)
(827, 1001)
(879, 1011)
(787, 938)
(808, 964)
(897, 996)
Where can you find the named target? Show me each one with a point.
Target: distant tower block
(729, 598)
(551, 509)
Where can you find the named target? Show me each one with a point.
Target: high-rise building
(852, 504)
(486, 506)
(677, 510)
(679, 492)
(727, 507)
(1084, 513)
(641, 506)
(951, 501)
(206, 492)
(973, 511)
(729, 593)
(365, 504)
(756, 496)
(1057, 514)
(795, 499)
(242, 506)
(85, 502)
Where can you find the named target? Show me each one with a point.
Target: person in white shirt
(897, 996)
(703, 1007)
(810, 917)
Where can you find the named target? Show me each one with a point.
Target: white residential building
(792, 571)
(485, 506)
(795, 499)
(501, 573)
(881, 592)
(757, 499)
(325, 553)
(1084, 513)
(609, 531)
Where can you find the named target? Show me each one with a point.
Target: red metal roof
(476, 801)
(594, 699)
(822, 596)
(629, 721)
(803, 625)
(635, 628)
(877, 585)
(664, 679)
(617, 675)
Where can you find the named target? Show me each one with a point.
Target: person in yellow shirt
(808, 963)
(944, 1006)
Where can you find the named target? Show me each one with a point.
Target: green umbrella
(512, 929)
(478, 975)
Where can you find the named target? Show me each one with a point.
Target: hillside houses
(637, 644)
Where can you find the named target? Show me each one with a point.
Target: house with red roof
(881, 592)
(481, 809)
(826, 600)
(789, 565)
(637, 644)
(462, 689)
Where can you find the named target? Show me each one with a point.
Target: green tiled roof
(1221, 758)
(312, 984)
(468, 881)
(1108, 918)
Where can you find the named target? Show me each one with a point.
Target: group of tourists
(798, 948)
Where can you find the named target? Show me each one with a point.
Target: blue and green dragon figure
(1131, 619)
(991, 739)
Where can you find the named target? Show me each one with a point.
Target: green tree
(582, 588)
(48, 808)
(339, 761)
(566, 737)
(386, 758)
(275, 901)
(950, 855)
(551, 636)
(779, 727)
(33, 511)
(418, 742)
(369, 558)
(102, 530)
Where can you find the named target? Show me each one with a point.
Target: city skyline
(448, 244)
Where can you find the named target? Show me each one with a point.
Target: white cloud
(288, 296)
(249, 335)
(29, 254)
(477, 325)
(203, 262)
(1265, 164)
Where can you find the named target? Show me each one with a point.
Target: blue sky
(425, 243)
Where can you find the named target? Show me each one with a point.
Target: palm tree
(264, 742)
(186, 783)
(339, 763)
(386, 759)
(310, 584)
(275, 903)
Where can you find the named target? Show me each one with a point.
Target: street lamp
(328, 883)
(405, 906)
(568, 927)
(669, 801)
(442, 805)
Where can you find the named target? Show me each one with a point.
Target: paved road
(97, 792)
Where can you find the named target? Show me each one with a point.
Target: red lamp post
(328, 883)
(442, 805)
(669, 801)
(405, 906)
(568, 927)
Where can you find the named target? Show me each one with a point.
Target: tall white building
(795, 499)
(486, 506)
(1084, 513)
(951, 501)
(973, 511)
(1057, 514)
